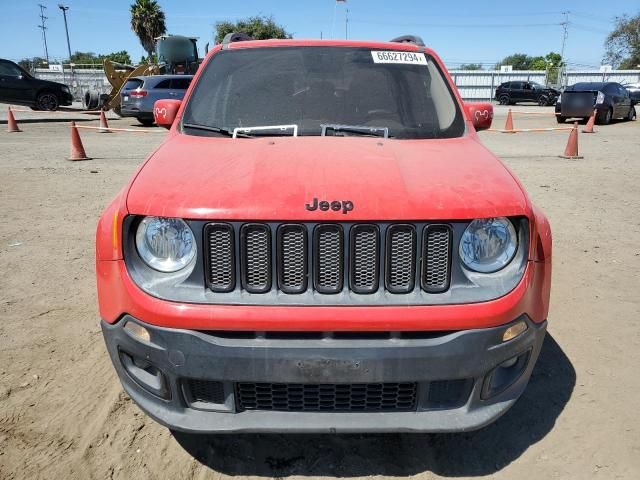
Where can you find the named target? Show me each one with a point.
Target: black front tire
(560, 119)
(504, 100)
(632, 114)
(47, 101)
(147, 122)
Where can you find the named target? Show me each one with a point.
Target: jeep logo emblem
(336, 205)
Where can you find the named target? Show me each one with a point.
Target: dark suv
(510, 93)
(20, 88)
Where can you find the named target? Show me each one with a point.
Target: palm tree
(147, 22)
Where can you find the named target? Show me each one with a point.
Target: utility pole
(44, 31)
(565, 34)
(346, 23)
(66, 28)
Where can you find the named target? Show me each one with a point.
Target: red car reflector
(138, 93)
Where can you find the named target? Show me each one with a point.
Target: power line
(44, 30)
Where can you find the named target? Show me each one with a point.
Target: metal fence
(472, 84)
(481, 84)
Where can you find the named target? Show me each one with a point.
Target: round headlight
(165, 244)
(487, 245)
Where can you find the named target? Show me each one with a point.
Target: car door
(528, 92)
(611, 91)
(625, 102)
(516, 92)
(179, 87)
(159, 91)
(15, 86)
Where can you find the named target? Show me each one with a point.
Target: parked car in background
(634, 91)
(610, 100)
(19, 87)
(140, 93)
(510, 93)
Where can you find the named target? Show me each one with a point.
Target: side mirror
(165, 111)
(481, 114)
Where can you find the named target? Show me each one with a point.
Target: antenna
(44, 30)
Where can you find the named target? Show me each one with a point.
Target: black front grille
(353, 397)
(328, 258)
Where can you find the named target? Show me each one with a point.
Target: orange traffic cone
(571, 151)
(12, 125)
(590, 123)
(104, 126)
(509, 123)
(77, 149)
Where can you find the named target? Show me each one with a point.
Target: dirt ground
(63, 413)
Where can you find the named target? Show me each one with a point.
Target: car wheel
(605, 119)
(560, 119)
(632, 114)
(147, 122)
(47, 101)
(504, 100)
(543, 101)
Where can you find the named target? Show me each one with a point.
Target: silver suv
(140, 93)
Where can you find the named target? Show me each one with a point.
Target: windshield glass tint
(312, 86)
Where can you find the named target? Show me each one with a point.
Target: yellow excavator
(175, 54)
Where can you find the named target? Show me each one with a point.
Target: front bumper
(156, 374)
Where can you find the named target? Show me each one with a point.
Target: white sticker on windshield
(406, 58)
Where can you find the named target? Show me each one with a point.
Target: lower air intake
(353, 397)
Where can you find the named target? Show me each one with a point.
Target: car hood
(273, 178)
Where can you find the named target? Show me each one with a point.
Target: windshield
(315, 87)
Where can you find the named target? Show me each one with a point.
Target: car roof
(408, 46)
(590, 85)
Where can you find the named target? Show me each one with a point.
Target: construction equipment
(175, 54)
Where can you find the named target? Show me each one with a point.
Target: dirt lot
(63, 413)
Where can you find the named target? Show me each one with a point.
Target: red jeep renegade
(322, 244)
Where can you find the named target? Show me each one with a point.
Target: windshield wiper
(358, 129)
(222, 131)
(266, 130)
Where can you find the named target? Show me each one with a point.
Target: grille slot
(329, 258)
(204, 391)
(365, 258)
(353, 397)
(436, 253)
(220, 257)
(401, 258)
(292, 258)
(256, 258)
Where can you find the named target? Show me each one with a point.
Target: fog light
(138, 331)
(514, 330)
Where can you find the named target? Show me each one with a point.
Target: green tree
(30, 63)
(519, 61)
(471, 66)
(148, 23)
(258, 27)
(119, 57)
(623, 43)
(537, 63)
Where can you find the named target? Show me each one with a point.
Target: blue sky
(462, 31)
